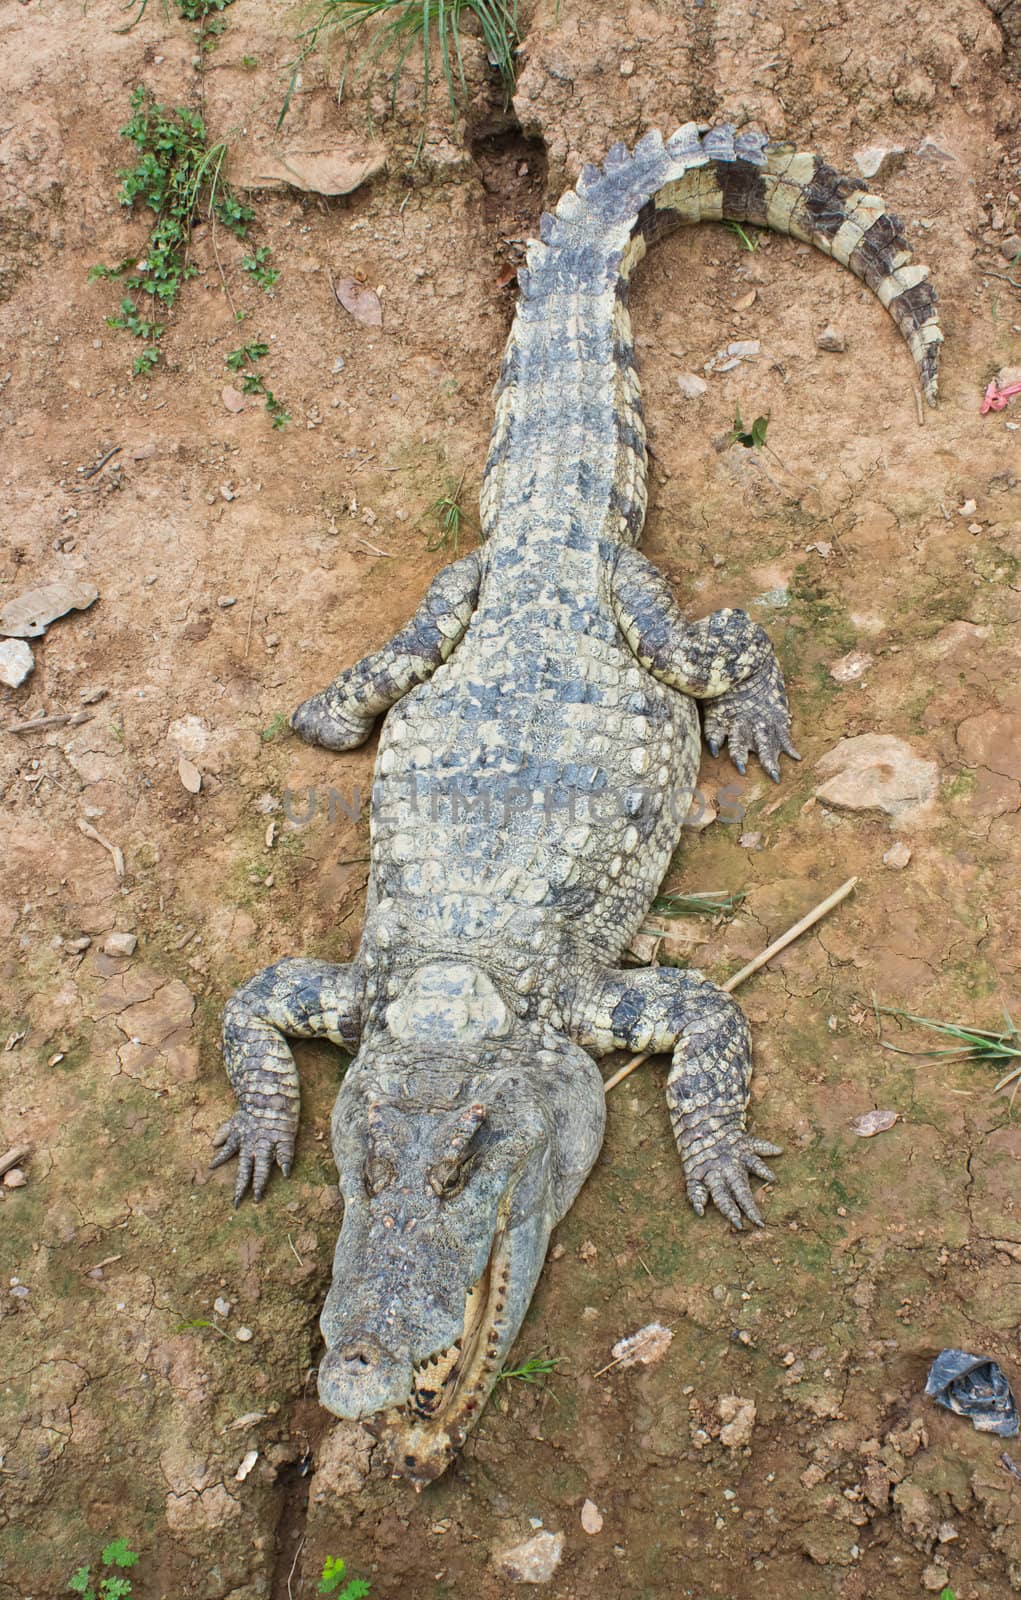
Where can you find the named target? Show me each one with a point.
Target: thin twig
(114, 850)
(760, 960)
(918, 407)
(70, 719)
(251, 611)
(294, 1563)
(294, 1252)
(100, 464)
(374, 548)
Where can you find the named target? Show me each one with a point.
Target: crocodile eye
(448, 1178)
(378, 1174)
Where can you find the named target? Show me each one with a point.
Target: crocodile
(533, 774)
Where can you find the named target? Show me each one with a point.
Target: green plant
(947, 1594)
(448, 514)
(258, 270)
(174, 175)
(534, 1370)
(278, 723)
(109, 1587)
(334, 1569)
(750, 241)
(245, 356)
(202, 12)
(402, 24)
(710, 903)
(973, 1044)
(752, 438)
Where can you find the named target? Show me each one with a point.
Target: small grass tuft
(973, 1044)
(448, 513)
(401, 23)
(709, 903)
(750, 241)
(535, 1370)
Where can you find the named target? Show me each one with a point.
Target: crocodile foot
(716, 1168)
(754, 715)
(257, 1142)
(319, 722)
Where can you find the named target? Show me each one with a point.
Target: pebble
(831, 339)
(227, 492)
(76, 947)
(244, 1336)
(221, 1306)
(533, 1560)
(691, 385)
(750, 841)
(16, 662)
(591, 1517)
(225, 601)
(15, 1179)
(626, 68)
(120, 944)
(876, 772)
(876, 160)
(1010, 247)
(189, 775)
(935, 1578)
(851, 667)
(232, 398)
(897, 856)
(92, 697)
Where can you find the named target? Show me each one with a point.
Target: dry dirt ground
(127, 1404)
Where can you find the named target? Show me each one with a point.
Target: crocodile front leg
(726, 660)
(664, 1009)
(341, 716)
(308, 1000)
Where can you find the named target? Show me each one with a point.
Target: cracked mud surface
(124, 1412)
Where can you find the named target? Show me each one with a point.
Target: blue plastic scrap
(975, 1387)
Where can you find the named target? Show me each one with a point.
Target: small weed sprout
(277, 724)
(402, 23)
(753, 438)
(241, 361)
(108, 1586)
(256, 265)
(749, 241)
(334, 1570)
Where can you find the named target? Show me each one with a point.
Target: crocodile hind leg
(308, 1000)
(664, 1009)
(341, 716)
(726, 660)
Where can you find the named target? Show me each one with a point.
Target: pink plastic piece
(996, 399)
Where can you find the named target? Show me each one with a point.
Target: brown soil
(119, 1400)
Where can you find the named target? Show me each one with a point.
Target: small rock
(649, 1345)
(744, 349)
(750, 841)
(15, 1179)
(967, 508)
(588, 1251)
(746, 301)
(533, 1560)
(221, 1306)
(227, 492)
(691, 385)
(1010, 247)
(946, 1533)
(244, 1336)
(16, 662)
(738, 1417)
(626, 68)
(76, 947)
(248, 1461)
(851, 667)
(120, 944)
(225, 601)
(831, 339)
(935, 1578)
(872, 1122)
(897, 856)
(92, 697)
(591, 1517)
(876, 160)
(876, 772)
(232, 398)
(189, 775)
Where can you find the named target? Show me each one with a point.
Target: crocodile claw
(753, 716)
(721, 1175)
(257, 1145)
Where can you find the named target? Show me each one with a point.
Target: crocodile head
(454, 1169)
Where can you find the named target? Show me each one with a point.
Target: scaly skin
(532, 779)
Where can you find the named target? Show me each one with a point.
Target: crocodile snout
(359, 1375)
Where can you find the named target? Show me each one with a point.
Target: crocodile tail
(568, 403)
(725, 176)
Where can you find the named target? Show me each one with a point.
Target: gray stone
(120, 944)
(691, 385)
(16, 662)
(876, 772)
(878, 160)
(534, 1560)
(831, 339)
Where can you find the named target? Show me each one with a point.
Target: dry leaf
(591, 1517)
(873, 1122)
(361, 301)
(189, 775)
(649, 1344)
(29, 616)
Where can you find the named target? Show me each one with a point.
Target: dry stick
(60, 719)
(115, 851)
(760, 960)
